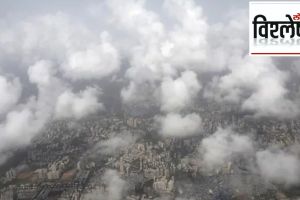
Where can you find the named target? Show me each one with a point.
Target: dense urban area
(69, 160)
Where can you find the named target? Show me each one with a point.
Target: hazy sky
(214, 9)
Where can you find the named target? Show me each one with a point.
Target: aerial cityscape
(143, 100)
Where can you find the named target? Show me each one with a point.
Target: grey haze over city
(146, 100)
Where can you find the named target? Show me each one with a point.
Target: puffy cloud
(257, 85)
(116, 185)
(56, 95)
(222, 147)
(42, 73)
(94, 62)
(271, 99)
(178, 94)
(116, 143)
(114, 191)
(10, 91)
(279, 166)
(71, 105)
(18, 128)
(79, 51)
(53, 98)
(273, 165)
(25, 120)
(46, 37)
(175, 125)
(135, 18)
(158, 53)
(187, 43)
(45, 47)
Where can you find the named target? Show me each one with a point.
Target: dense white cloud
(10, 92)
(18, 128)
(257, 85)
(271, 99)
(53, 98)
(176, 125)
(161, 53)
(46, 37)
(187, 42)
(162, 50)
(223, 146)
(115, 143)
(72, 105)
(80, 53)
(272, 164)
(25, 120)
(179, 93)
(43, 47)
(279, 166)
(115, 187)
(43, 74)
(162, 46)
(94, 62)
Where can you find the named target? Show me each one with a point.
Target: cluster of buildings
(151, 160)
